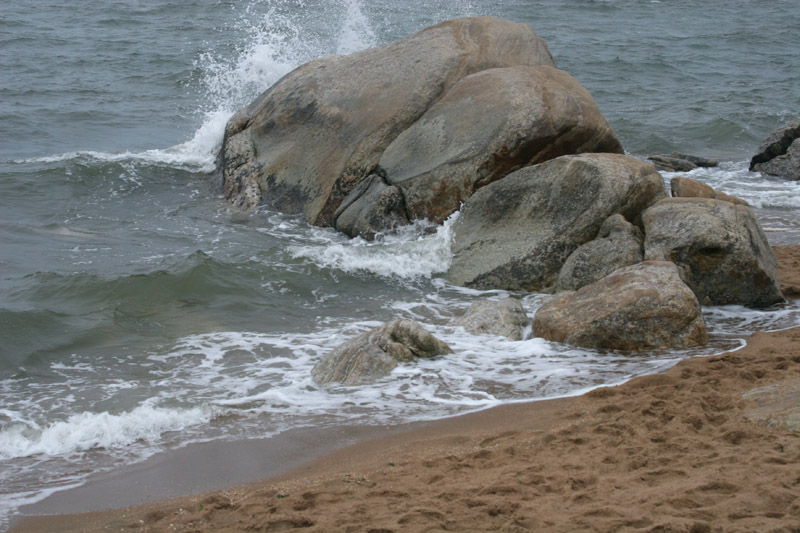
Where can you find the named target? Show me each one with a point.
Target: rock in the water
(720, 247)
(372, 207)
(683, 187)
(374, 354)
(779, 154)
(504, 318)
(488, 125)
(678, 162)
(618, 244)
(306, 143)
(517, 232)
(671, 164)
(644, 306)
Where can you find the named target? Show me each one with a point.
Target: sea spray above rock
(373, 355)
(311, 138)
(430, 119)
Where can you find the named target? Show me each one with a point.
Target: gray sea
(139, 313)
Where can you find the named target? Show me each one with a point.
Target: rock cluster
(472, 114)
(371, 140)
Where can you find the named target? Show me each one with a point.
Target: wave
(273, 42)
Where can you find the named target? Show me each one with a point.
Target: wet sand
(710, 445)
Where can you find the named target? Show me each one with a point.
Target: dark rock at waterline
(618, 244)
(372, 207)
(517, 233)
(679, 162)
(505, 318)
(719, 246)
(683, 187)
(307, 142)
(644, 306)
(374, 354)
(779, 154)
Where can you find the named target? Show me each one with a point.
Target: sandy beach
(710, 445)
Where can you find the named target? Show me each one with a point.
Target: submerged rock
(721, 249)
(505, 318)
(374, 354)
(644, 306)
(779, 154)
(517, 233)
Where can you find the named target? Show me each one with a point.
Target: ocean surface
(139, 313)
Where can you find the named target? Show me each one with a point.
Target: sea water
(139, 312)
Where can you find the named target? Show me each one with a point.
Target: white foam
(411, 252)
(86, 430)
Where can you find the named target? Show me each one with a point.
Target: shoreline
(674, 450)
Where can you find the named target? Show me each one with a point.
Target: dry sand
(702, 447)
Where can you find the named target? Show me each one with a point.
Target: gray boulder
(683, 187)
(779, 154)
(618, 244)
(374, 354)
(488, 125)
(309, 140)
(504, 318)
(644, 306)
(372, 207)
(517, 233)
(720, 247)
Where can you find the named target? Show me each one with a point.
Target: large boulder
(504, 318)
(488, 125)
(618, 244)
(305, 143)
(374, 354)
(517, 233)
(779, 154)
(644, 306)
(720, 247)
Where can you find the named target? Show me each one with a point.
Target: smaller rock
(644, 306)
(704, 162)
(678, 162)
(372, 207)
(779, 154)
(374, 354)
(683, 187)
(671, 164)
(505, 318)
(618, 244)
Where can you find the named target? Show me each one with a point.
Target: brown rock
(645, 306)
(683, 187)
